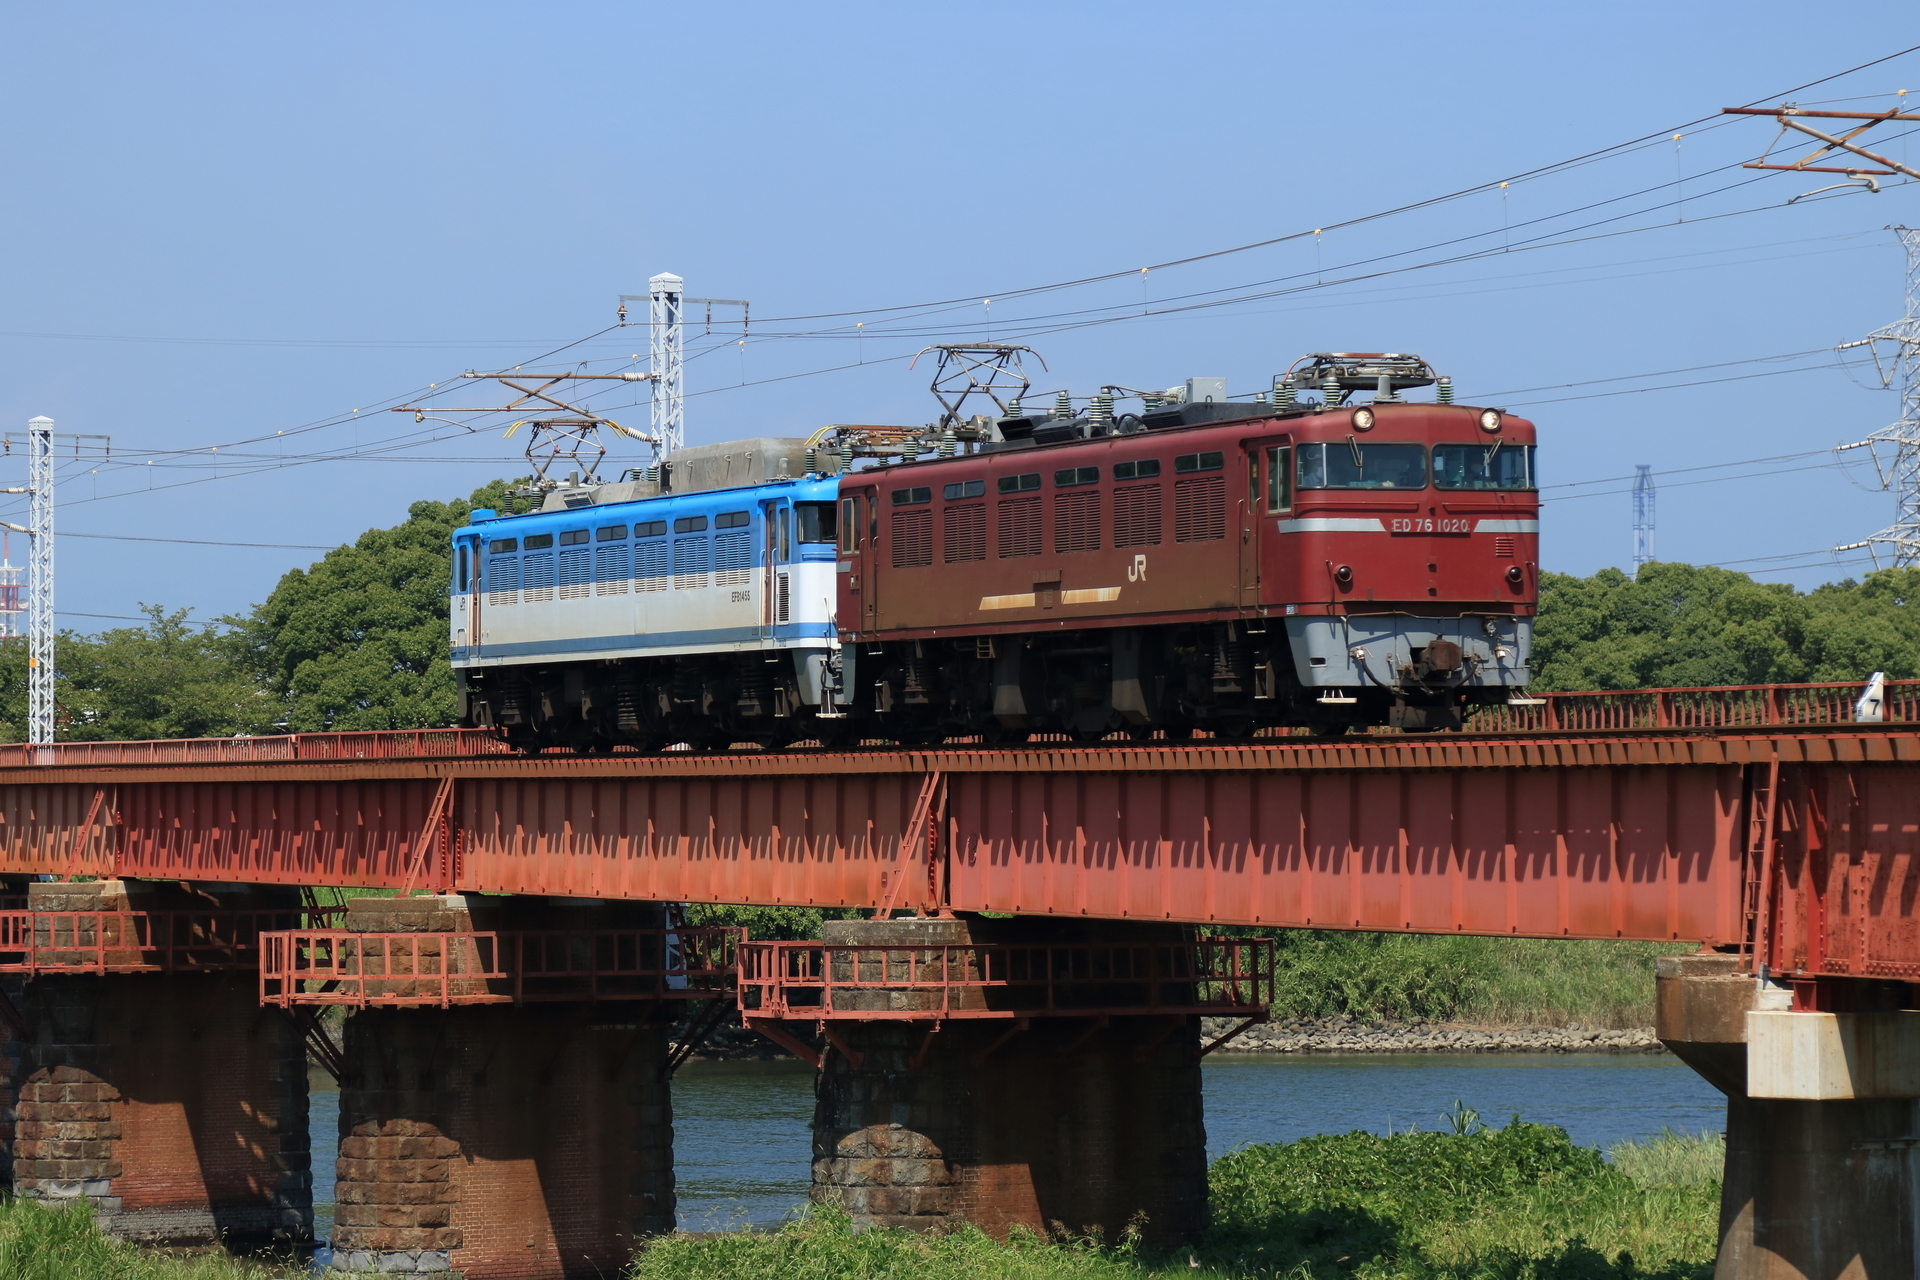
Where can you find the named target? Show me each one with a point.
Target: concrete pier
(1823, 1125)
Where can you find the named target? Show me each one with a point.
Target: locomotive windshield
(1483, 466)
(1362, 466)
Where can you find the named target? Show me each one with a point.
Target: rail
(362, 970)
(783, 981)
(35, 942)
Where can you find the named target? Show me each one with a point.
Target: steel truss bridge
(1759, 820)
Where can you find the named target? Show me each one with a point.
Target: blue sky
(228, 221)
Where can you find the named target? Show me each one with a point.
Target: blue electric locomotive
(697, 607)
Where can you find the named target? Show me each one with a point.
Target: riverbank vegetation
(42, 1243)
(1477, 1203)
(1463, 1202)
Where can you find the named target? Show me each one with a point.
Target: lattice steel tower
(40, 581)
(1642, 514)
(1902, 537)
(669, 409)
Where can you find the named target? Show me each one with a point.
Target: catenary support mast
(1642, 514)
(40, 581)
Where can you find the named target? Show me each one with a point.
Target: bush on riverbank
(1515, 1202)
(1450, 978)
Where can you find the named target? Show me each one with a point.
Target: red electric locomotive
(1205, 565)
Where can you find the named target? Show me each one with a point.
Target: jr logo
(1138, 571)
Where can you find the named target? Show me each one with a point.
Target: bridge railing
(818, 980)
(1727, 707)
(1721, 707)
(384, 744)
(335, 966)
(33, 942)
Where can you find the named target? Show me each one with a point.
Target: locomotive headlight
(1490, 420)
(1343, 575)
(1515, 576)
(1362, 419)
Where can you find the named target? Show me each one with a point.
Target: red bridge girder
(1637, 834)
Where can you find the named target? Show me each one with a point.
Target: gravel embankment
(1348, 1035)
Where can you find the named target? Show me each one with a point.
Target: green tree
(168, 679)
(1676, 625)
(359, 640)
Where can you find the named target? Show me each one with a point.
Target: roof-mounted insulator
(1330, 390)
(1100, 412)
(948, 444)
(1283, 392)
(1063, 405)
(1445, 390)
(1013, 408)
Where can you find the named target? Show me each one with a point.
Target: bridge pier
(1092, 1123)
(501, 1140)
(173, 1101)
(1823, 1118)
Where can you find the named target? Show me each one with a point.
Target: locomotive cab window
(850, 524)
(1483, 466)
(1280, 478)
(814, 521)
(1211, 461)
(1352, 465)
(1140, 469)
(964, 489)
(1019, 484)
(460, 571)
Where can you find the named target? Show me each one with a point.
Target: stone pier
(1082, 1124)
(174, 1102)
(500, 1141)
(1823, 1126)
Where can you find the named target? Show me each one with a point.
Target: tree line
(358, 640)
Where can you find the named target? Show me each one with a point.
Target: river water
(741, 1142)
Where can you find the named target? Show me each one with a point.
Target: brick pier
(173, 1101)
(1088, 1124)
(502, 1141)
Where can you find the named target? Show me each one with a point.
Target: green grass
(41, 1243)
(1516, 1203)
(1672, 1159)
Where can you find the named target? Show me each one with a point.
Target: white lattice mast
(1642, 514)
(664, 315)
(1904, 533)
(13, 604)
(1901, 539)
(40, 581)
